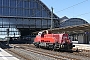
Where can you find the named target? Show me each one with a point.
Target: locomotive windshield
(40, 33)
(65, 37)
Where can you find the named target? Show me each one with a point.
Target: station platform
(6, 56)
(81, 46)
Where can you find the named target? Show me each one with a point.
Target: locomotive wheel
(54, 48)
(37, 45)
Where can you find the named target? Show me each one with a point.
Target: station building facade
(24, 16)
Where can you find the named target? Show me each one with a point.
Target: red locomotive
(53, 41)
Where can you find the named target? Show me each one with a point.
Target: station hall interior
(20, 18)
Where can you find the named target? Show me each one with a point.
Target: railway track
(46, 53)
(11, 50)
(82, 53)
(20, 48)
(19, 55)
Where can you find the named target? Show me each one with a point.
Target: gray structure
(23, 17)
(72, 21)
(81, 37)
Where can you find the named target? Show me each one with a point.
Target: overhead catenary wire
(82, 14)
(72, 6)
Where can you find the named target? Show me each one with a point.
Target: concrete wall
(81, 38)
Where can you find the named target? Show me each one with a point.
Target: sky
(70, 8)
